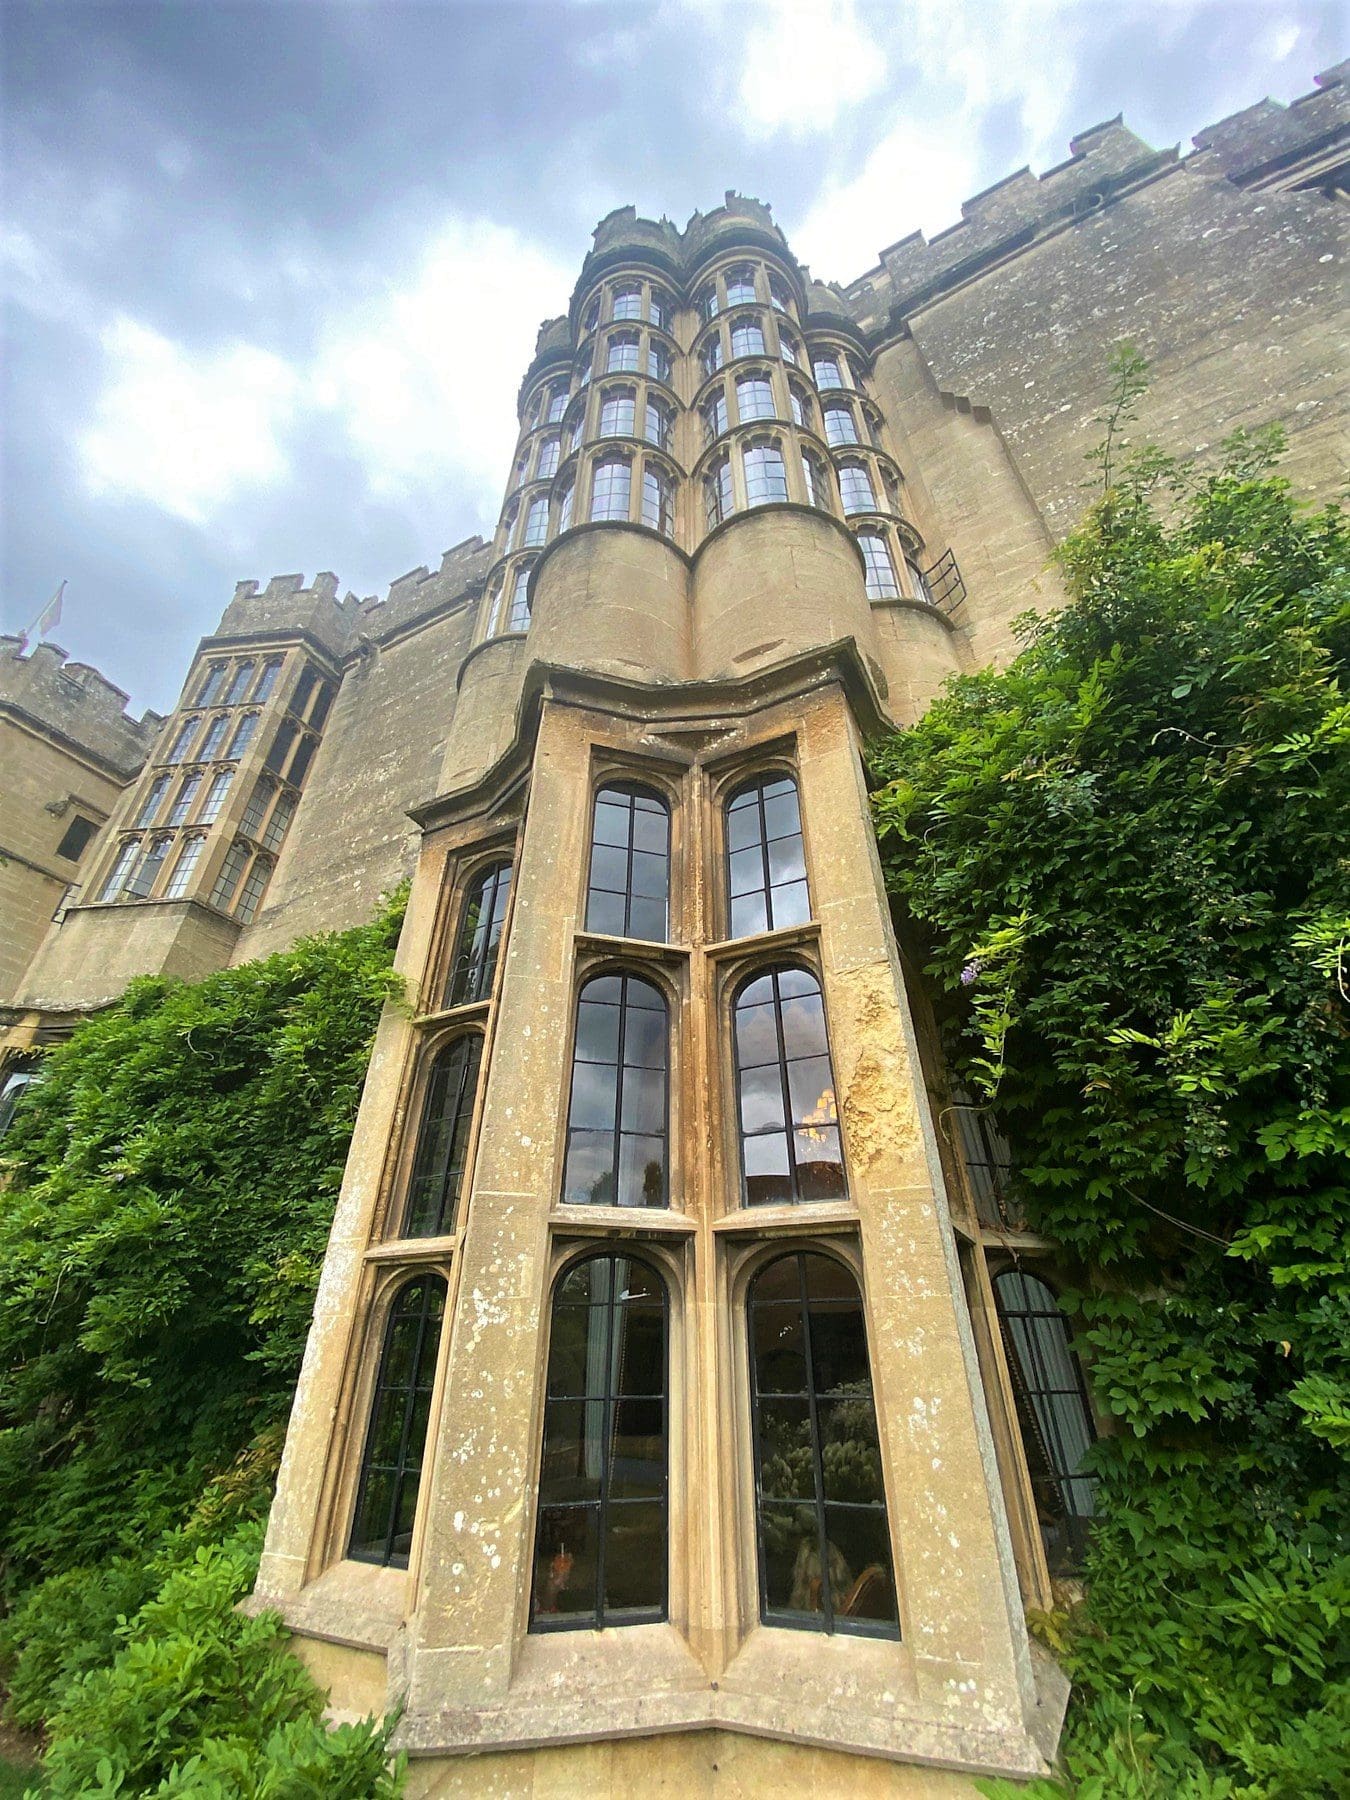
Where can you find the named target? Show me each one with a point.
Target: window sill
(629, 1221)
(415, 1250)
(790, 937)
(803, 1217)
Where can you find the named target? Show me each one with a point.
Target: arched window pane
(630, 865)
(766, 863)
(789, 1119)
(480, 931)
(391, 1466)
(754, 398)
(1053, 1412)
(747, 339)
(839, 425)
(828, 372)
(712, 354)
(820, 1500)
(658, 501)
(628, 303)
(623, 354)
(816, 491)
(765, 475)
(617, 409)
(611, 488)
(880, 570)
(549, 452)
(536, 521)
(600, 1552)
(715, 416)
(740, 287)
(658, 362)
(855, 485)
(443, 1139)
(616, 1124)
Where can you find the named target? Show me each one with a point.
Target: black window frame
(791, 1126)
(601, 1617)
(830, 1621)
(607, 795)
(626, 977)
(424, 1351)
(444, 1137)
(759, 784)
(473, 971)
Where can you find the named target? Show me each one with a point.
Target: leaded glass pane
(475, 959)
(617, 1117)
(396, 1437)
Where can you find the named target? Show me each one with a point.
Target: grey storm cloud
(272, 272)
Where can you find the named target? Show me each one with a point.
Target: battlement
(1306, 138)
(74, 700)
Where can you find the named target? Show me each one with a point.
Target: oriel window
(479, 937)
(789, 1118)
(824, 1539)
(1053, 1412)
(443, 1139)
(766, 862)
(629, 889)
(617, 1119)
(600, 1552)
(391, 1467)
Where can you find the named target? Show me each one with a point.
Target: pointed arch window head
(765, 475)
(238, 686)
(766, 860)
(618, 409)
(1053, 1412)
(212, 683)
(789, 1121)
(391, 1465)
(747, 338)
(879, 567)
(600, 1549)
(629, 887)
(154, 799)
(754, 398)
(611, 488)
(443, 1139)
(855, 485)
(479, 938)
(820, 1500)
(623, 354)
(617, 1118)
(741, 286)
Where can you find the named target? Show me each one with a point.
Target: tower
(641, 1399)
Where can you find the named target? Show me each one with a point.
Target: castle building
(683, 1403)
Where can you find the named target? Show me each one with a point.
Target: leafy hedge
(170, 1186)
(1127, 856)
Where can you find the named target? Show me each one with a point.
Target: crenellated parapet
(75, 701)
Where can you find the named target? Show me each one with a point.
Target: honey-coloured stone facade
(751, 521)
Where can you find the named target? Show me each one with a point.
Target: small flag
(50, 616)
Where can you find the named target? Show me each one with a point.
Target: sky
(272, 272)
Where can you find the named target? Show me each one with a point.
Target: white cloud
(186, 433)
(422, 375)
(804, 62)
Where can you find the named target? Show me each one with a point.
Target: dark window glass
(281, 747)
(766, 863)
(630, 864)
(480, 932)
(1053, 1412)
(391, 1466)
(600, 1544)
(303, 757)
(616, 1123)
(303, 689)
(820, 1502)
(789, 1120)
(243, 674)
(443, 1140)
(75, 838)
(322, 703)
(215, 680)
(268, 679)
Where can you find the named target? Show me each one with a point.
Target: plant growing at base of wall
(1154, 801)
(170, 1189)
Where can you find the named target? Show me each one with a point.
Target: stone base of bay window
(785, 1695)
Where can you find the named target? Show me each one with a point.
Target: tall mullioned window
(117, 875)
(600, 1548)
(182, 804)
(618, 407)
(754, 398)
(718, 495)
(479, 937)
(268, 678)
(183, 870)
(154, 799)
(789, 1118)
(766, 862)
(212, 683)
(660, 424)
(536, 521)
(765, 475)
(617, 1118)
(855, 486)
(622, 355)
(391, 1464)
(813, 474)
(628, 892)
(215, 737)
(611, 488)
(1053, 1411)
(880, 569)
(658, 500)
(243, 674)
(627, 303)
(148, 868)
(829, 372)
(228, 878)
(255, 886)
(179, 748)
(820, 1500)
(747, 338)
(443, 1139)
(549, 452)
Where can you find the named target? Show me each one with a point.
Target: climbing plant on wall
(1128, 858)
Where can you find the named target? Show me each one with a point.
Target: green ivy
(169, 1191)
(1126, 859)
